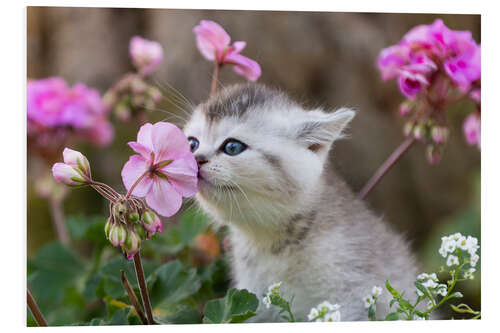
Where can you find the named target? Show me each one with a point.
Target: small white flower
(442, 251)
(376, 291)
(368, 301)
(472, 245)
(473, 260)
(430, 304)
(433, 276)
(332, 316)
(430, 284)
(450, 245)
(325, 306)
(456, 236)
(423, 276)
(441, 289)
(419, 293)
(312, 314)
(267, 301)
(274, 288)
(418, 318)
(462, 242)
(452, 260)
(469, 273)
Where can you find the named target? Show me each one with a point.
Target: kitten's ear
(320, 129)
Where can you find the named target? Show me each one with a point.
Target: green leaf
(392, 316)
(236, 307)
(463, 308)
(393, 291)
(456, 294)
(107, 281)
(87, 228)
(405, 304)
(120, 317)
(171, 283)
(423, 289)
(185, 316)
(192, 223)
(55, 268)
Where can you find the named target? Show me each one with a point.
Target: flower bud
(138, 86)
(133, 217)
(68, 175)
(405, 109)
(117, 234)
(122, 112)
(76, 160)
(151, 222)
(146, 55)
(141, 232)
(132, 244)
(439, 134)
(119, 211)
(419, 131)
(433, 154)
(408, 128)
(107, 227)
(155, 94)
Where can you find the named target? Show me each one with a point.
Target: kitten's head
(260, 154)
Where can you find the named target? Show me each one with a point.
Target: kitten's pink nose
(200, 159)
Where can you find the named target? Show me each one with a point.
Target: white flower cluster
(372, 298)
(273, 289)
(450, 244)
(325, 312)
(431, 282)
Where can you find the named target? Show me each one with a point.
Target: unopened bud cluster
(131, 96)
(129, 224)
(428, 131)
(75, 171)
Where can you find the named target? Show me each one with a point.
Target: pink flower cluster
(214, 44)
(146, 55)
(55, 110)
(427, 50)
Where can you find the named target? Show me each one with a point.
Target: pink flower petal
(239, 46)
(182, 174)
(141, 149)
(163, 198)
(168, 141)
(144, 135)
(211, 39)
(244, 66)
(132, 170)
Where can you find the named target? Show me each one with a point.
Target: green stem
(450, 289)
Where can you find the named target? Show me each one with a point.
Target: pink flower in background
(472, 129)
(55, 110)
(166, 165)
(426, 49)
(214, 44)
(146, 55)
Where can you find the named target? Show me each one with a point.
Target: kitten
(264, 171)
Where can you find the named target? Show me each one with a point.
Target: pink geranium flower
(472, 129)
(146, 55)
(55, 110)
(214, 44)
(165, 169)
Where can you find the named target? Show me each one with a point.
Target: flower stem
(56, 211)
(139, 272)
(129, 193)
(133, 298)
(215, 79)
(40, 320)
(384, 168)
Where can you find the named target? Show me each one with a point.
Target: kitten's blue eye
(193, 143)
(233, 147)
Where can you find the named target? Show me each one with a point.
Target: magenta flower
(55, 111)
(146, 55)
(425, 50)
(472, 129)
(214, 44)
(165, 169)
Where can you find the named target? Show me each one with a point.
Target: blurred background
(326, 59)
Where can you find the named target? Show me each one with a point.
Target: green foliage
(236, 307)
(172, 283)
